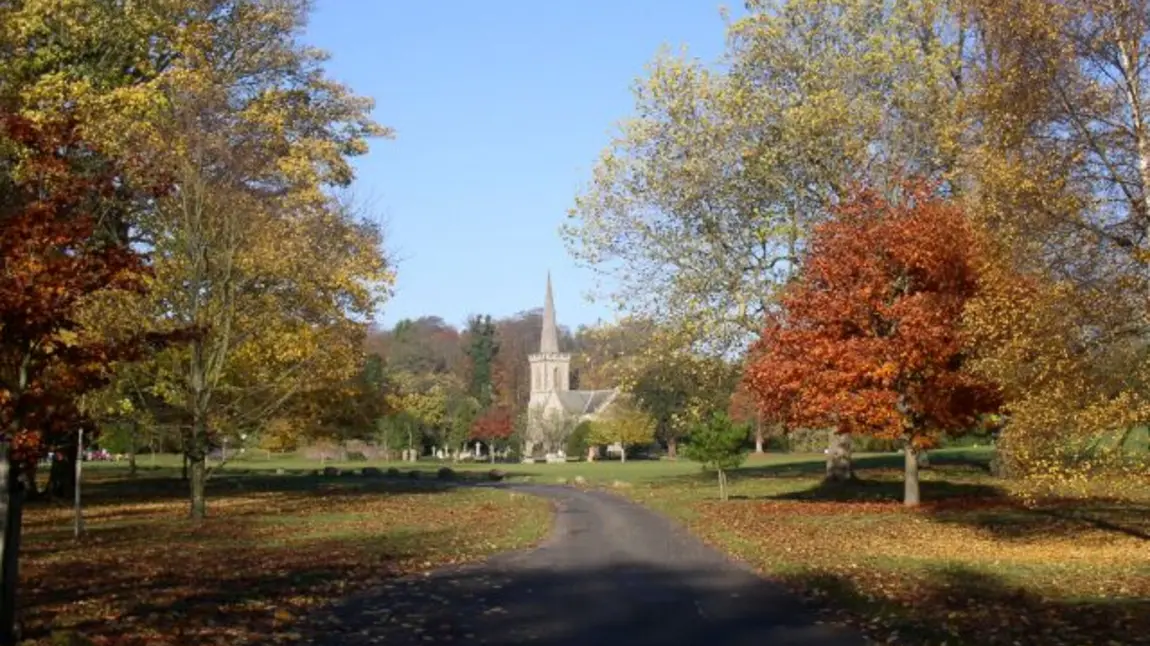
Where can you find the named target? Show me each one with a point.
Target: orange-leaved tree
(868, 339)
(493, 425)
(52, 257)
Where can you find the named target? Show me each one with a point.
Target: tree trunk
(910, 491)
(592, 451)
(839, 458)
(11, 516)
(673, 448)
(758, 435)
(198, 472)
(184, 475)
(31, 491)
(622, 453)
(722, 485)
(62, 474)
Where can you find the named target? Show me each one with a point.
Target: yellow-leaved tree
(250, 250)
(1062, 173)
(625, 425)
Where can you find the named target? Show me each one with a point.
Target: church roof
(584, 402)
(549, 339)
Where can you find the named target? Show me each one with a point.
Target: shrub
(496, 475)
(579, 440)
(414, 475)
(445, 473)
(371, 472)
(331, 472)
(356, 456)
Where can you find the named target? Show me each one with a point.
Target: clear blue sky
(500, 109)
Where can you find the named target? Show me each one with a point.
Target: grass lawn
(972, 565)
(273, 548)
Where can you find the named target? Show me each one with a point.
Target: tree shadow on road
(631, 605)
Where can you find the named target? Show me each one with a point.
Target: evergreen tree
(482, 348)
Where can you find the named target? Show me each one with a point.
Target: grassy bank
(973, 565)
(273, 548)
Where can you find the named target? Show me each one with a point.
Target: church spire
(549, 340)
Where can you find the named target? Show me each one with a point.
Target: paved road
(611, 573)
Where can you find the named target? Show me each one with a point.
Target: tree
(460, 414)
(869, 337)
(579, 442)
(397, 429)
(700, 208)
(252, 249)
(625, 425)
(1064, 182)
(668, 378)
(719, 444)
(425, 345)
(549, 429)
(493, 425)
(678, 387)
(482, 348)
(743, 408)
(52, 260)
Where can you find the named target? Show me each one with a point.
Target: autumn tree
(252, 248)
(52, 260)
(720, 444)
(624, 424)
(1064, 183)
(425, 345)
(868, 339)
(700, 207)
(492, 426)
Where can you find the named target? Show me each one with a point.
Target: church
(554, 410)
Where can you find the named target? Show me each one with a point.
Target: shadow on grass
(151, 488)
(209, 591)
(989, 508)
(1053, 518)
(866, 490)
(959, 605)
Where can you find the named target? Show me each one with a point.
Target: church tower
(550, 368)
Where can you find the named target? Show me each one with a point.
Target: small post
(78, 524)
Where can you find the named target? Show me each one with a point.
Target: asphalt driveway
(611, 573)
